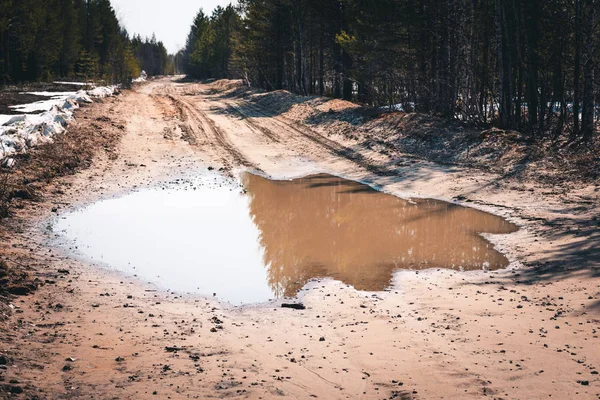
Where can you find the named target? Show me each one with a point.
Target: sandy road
(436, 334)
(237, 129)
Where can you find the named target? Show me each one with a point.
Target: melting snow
(75, 83)
(18, 133)
(142, 78)
(43, 105)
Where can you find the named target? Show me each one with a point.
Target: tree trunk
(505, 83)
(423, 87)
(347, 83)
(577, 66)
(321, 68)
(587, 117)
(532, 28)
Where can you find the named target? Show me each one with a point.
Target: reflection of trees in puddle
(324, 226)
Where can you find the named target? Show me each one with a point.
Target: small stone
(297, 306)
(19, 290)
(16, 389)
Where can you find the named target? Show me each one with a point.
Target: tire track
(179, 119)
(330, 145)
(212, 131)
(253, 125)
(179, 107)
(220, 137)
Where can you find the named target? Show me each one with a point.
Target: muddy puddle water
(266, 239)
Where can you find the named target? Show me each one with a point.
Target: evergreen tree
(45, 40)
(529, 65)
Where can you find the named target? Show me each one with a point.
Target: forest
(74, 39)
(527, 65)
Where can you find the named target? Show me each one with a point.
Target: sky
(170, 20)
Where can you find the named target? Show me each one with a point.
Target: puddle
(270, 238)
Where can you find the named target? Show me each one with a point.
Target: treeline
(210, 45)
(530, 65)
(152, 56)
(42, 40)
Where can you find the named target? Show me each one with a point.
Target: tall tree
(519, 64)
(44, 40)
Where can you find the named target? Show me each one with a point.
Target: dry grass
(4, 193)
(16, 281)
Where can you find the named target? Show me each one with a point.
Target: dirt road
(527, 332)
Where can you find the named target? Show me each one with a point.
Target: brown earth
(530, 331)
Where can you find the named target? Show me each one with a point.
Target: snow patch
(42, 105)
(75, 83)
(102, 92)
(142, 78)
(18, 133)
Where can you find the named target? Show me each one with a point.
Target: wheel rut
(254, 125)
(330, 145)
(213, 130)
(192, 125)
